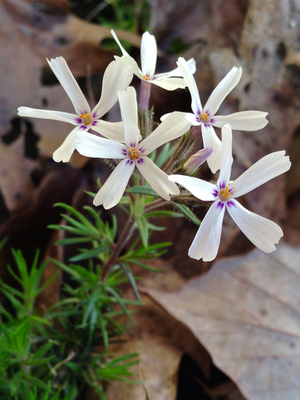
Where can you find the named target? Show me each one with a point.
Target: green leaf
(96, 295)
(3, 241)
(188, 213)
(131, 279)
(64, 242)
(121, 302)
(163, 213)
(27, 395)
(8, 335)
(164, 155)
(40, 361)
(79, 225)
(77, 214)
(67, 228)
(155, 227)
(143, 253)
(146, 190)
(48, 390)
(43, 350)
(66, 268)
(143, 229)
(92, 194)
(22, 334)
(91, 253)
(145, 266)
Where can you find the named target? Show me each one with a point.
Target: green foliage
(177, 47)
(126, 15)
(54, 356)
(23, 300)
(187, 213)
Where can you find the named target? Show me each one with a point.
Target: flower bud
(195, 132)
(196, 160)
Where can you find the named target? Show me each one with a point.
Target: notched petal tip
(62, 155)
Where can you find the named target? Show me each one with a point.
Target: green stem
(118, 247)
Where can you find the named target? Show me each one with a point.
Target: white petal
(176, 71)
(126, 60)
(191, 83)
(116, 77)
(203, 190)
(171, 128)
(112, 191)
(207, 240)
(262, 232)
(148, 54)
(129, 113)
(111, 130)
(169, 83)
(65, 151)
(221, 91)
(68, 82)
(157, 178)
(210, 139)
(189, 116)
(90, 145)
(262, 171)
(243, 120)
(48, 114)
(226, 158)
(194, 119)
(124, 52)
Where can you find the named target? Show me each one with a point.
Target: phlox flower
(133, 153)
(262, 232)
(170, 80)
(207, 118)
(116, 77)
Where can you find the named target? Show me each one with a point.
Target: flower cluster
(94, 137)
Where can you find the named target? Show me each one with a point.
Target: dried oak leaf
(15, 184)
(245, 312)
(157, 338)
(30, 32)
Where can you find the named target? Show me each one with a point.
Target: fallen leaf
(245, 311)
(158, 339)
(16, 186)
(32, 31)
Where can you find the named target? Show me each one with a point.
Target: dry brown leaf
(50, 31)
(15, 183)
(158, 368)
(30, 32)
(158, 340)
(262, 37)
(245, 311)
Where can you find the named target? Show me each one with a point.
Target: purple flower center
(224, 193)
(204, 117)
(86, 119)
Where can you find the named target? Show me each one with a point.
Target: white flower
(205, 116)
(170, 80)
(132, 153)
(262, 232)
(116, 77)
